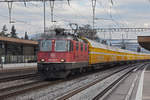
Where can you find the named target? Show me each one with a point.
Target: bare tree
(13, 32)
(26, 36)
(87, 31)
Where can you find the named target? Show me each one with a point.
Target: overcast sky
(125, 13)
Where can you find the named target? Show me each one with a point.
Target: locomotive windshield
(62, 45)
(46, 45)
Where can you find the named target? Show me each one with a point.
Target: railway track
(104, 91)
(103, 94)
(17, 77)
(38, 84)
(22, 88)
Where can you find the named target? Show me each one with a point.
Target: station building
(144, 41)
(15, 50)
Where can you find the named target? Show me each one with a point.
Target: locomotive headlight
(42, 60)
(62, 60)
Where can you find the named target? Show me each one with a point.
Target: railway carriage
(102, 54)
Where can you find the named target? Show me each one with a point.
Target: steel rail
(20, 89)
(17, 77)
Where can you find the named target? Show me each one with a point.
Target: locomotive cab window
(46, 45)
(63, 45)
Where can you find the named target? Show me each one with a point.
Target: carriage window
(81, 47)
(77, 46)
(45, 45)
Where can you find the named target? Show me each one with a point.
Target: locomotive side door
(76, 51)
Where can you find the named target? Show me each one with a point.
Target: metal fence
(19, 59)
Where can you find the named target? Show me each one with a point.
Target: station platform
(17, 66)
(146, 84)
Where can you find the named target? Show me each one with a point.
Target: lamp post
(93, 8)
(44, 16)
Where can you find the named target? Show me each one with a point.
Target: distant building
(144, 41)
(130, 44)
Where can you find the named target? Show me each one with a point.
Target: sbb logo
(52, 55)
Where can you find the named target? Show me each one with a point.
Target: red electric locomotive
(62, 55)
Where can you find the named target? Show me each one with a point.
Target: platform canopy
(16, 40)
(144, 41)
